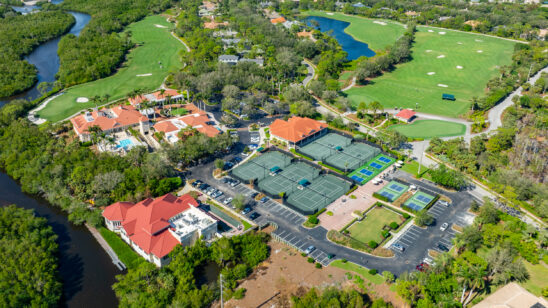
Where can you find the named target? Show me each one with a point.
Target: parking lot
(302, 243)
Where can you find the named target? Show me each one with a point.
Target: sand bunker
(144, 75)
(460, 43)
(382, 23)
(430, 30)
(329, 13)
(159, 26)
(442, 33)
(478, 40)
(459, 67)
(442, 85)
(480, 51)
(82, 100)
(430, 73)
(441, 56)
(429, 50)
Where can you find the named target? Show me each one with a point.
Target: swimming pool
(126, 144)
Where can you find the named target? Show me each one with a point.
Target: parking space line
(292, 237)
(405, 240)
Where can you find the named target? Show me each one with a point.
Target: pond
(354, 48)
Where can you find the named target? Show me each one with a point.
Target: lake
(354, 48)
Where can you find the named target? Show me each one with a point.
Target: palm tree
(94, 130)
(96, 99)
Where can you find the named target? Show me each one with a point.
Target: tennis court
(259, 167)
(419, 201)
(323, 190)
(352, 156)
(325, 146)
(371, 168)
(393, 190)
(288, 179)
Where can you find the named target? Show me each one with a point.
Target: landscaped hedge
(394, 225)
(331, 168)
(351, 190)
(300, 155)
(380, 197)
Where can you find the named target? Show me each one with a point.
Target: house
(258, 61)
(305, 34)
(229, 59)
(157, 97)
(405, 115)
(297, 130)
(288, 24)
(198, 120)
(412, 14)
(510, 296)
(228, 42)
(225, 33)
(359, 5)
(279, 20)
(111, 120)
(154, 227)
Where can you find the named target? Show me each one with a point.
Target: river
(354, 48)
(45, 57)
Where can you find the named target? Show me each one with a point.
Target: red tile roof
(137, 100)
(124, 116)
(296, 128)
(406, 114)
(146, 223)
(117, 211)
(165, 126)
(198, 120)
(278, 20)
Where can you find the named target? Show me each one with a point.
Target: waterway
(45, 57)
(86, 270)
(354, 48)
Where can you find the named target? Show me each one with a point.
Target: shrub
(310, 260)
(373, 271)
(474, 206)
(378, 204)
(393, 225)
(329, 213)
(303, 254)
(406, 216)
(380, 197)
(239, 293)
(313, 219)
(318, 265)
(388, 276)
(344, 260)
(385, 233)
(372, 244)
(353, 197)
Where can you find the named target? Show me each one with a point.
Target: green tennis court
(393, 190)
(288, 180)
(371, 169)
(259, 167)
(352, 156)
(419, 201)
(323, 190)
(325, 146)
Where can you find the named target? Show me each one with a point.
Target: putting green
(375, 32)
(142, 70)
(430, 128)
(456, 63)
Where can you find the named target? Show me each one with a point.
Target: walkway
(121, 266)
(311, 72)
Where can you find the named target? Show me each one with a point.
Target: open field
(444, 61)
(156, 45)
(370, 31)
(430, 128)
(538, 279)
(369, 229)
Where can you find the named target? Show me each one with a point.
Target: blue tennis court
(396, 187)
(414, 206)
(357, 178)
(375, 165)
(366, 172)
(384, 159)
(388, 195)
(424, 199)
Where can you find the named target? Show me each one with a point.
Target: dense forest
(489, 253)
(99, 49)
(334, 297)
(19, 35)
(51, 162)
(512, 20)
(28, 271)
(180, 284)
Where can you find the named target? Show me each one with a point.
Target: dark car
(330, 256)
(253, 194)
(246, 210)
(264, 199)
(442, 247)
(254, 215)
(203, 186)
(196, 183)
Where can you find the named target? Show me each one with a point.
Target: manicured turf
(410, 83)
(430, 128)
(369, 229)
(155, 45)
(129, 257)
(366, 30)
(413, 168)
(538, 278)
(362, 271)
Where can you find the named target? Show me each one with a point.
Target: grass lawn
(413, 168)
(362, 271)
(179, 111)
(129, 257)
(441, 56)
(538, 278)
(344, 78)
(430, 128)
(156, 44)
(370, 228)
(376, 36)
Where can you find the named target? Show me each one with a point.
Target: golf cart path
(311, 72)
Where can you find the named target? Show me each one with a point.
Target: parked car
(234, 183)
(444, 226)
(227, 200)
(254, 215)
(245, 211)
(196, 183)
(428, 261)
(253, 194)
(203, 187)
(264, 199)
(444, 203)
(330, 256)
(398, 247)
(309, 249)
(442, 247)
(422, 267)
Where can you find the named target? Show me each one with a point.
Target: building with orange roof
(109, 121)
(304, 34)
(297, 130)
(154, 227)
(198, 120)
(279, 20)
(406, 115)
(156, 97)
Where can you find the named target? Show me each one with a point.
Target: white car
(444, 226)
(227, 200)
(444, 203)
(428, 261)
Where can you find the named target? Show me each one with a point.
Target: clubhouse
(406, 115)
(297, 130)
(154, 227)
(198, 120)
(156, 97)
